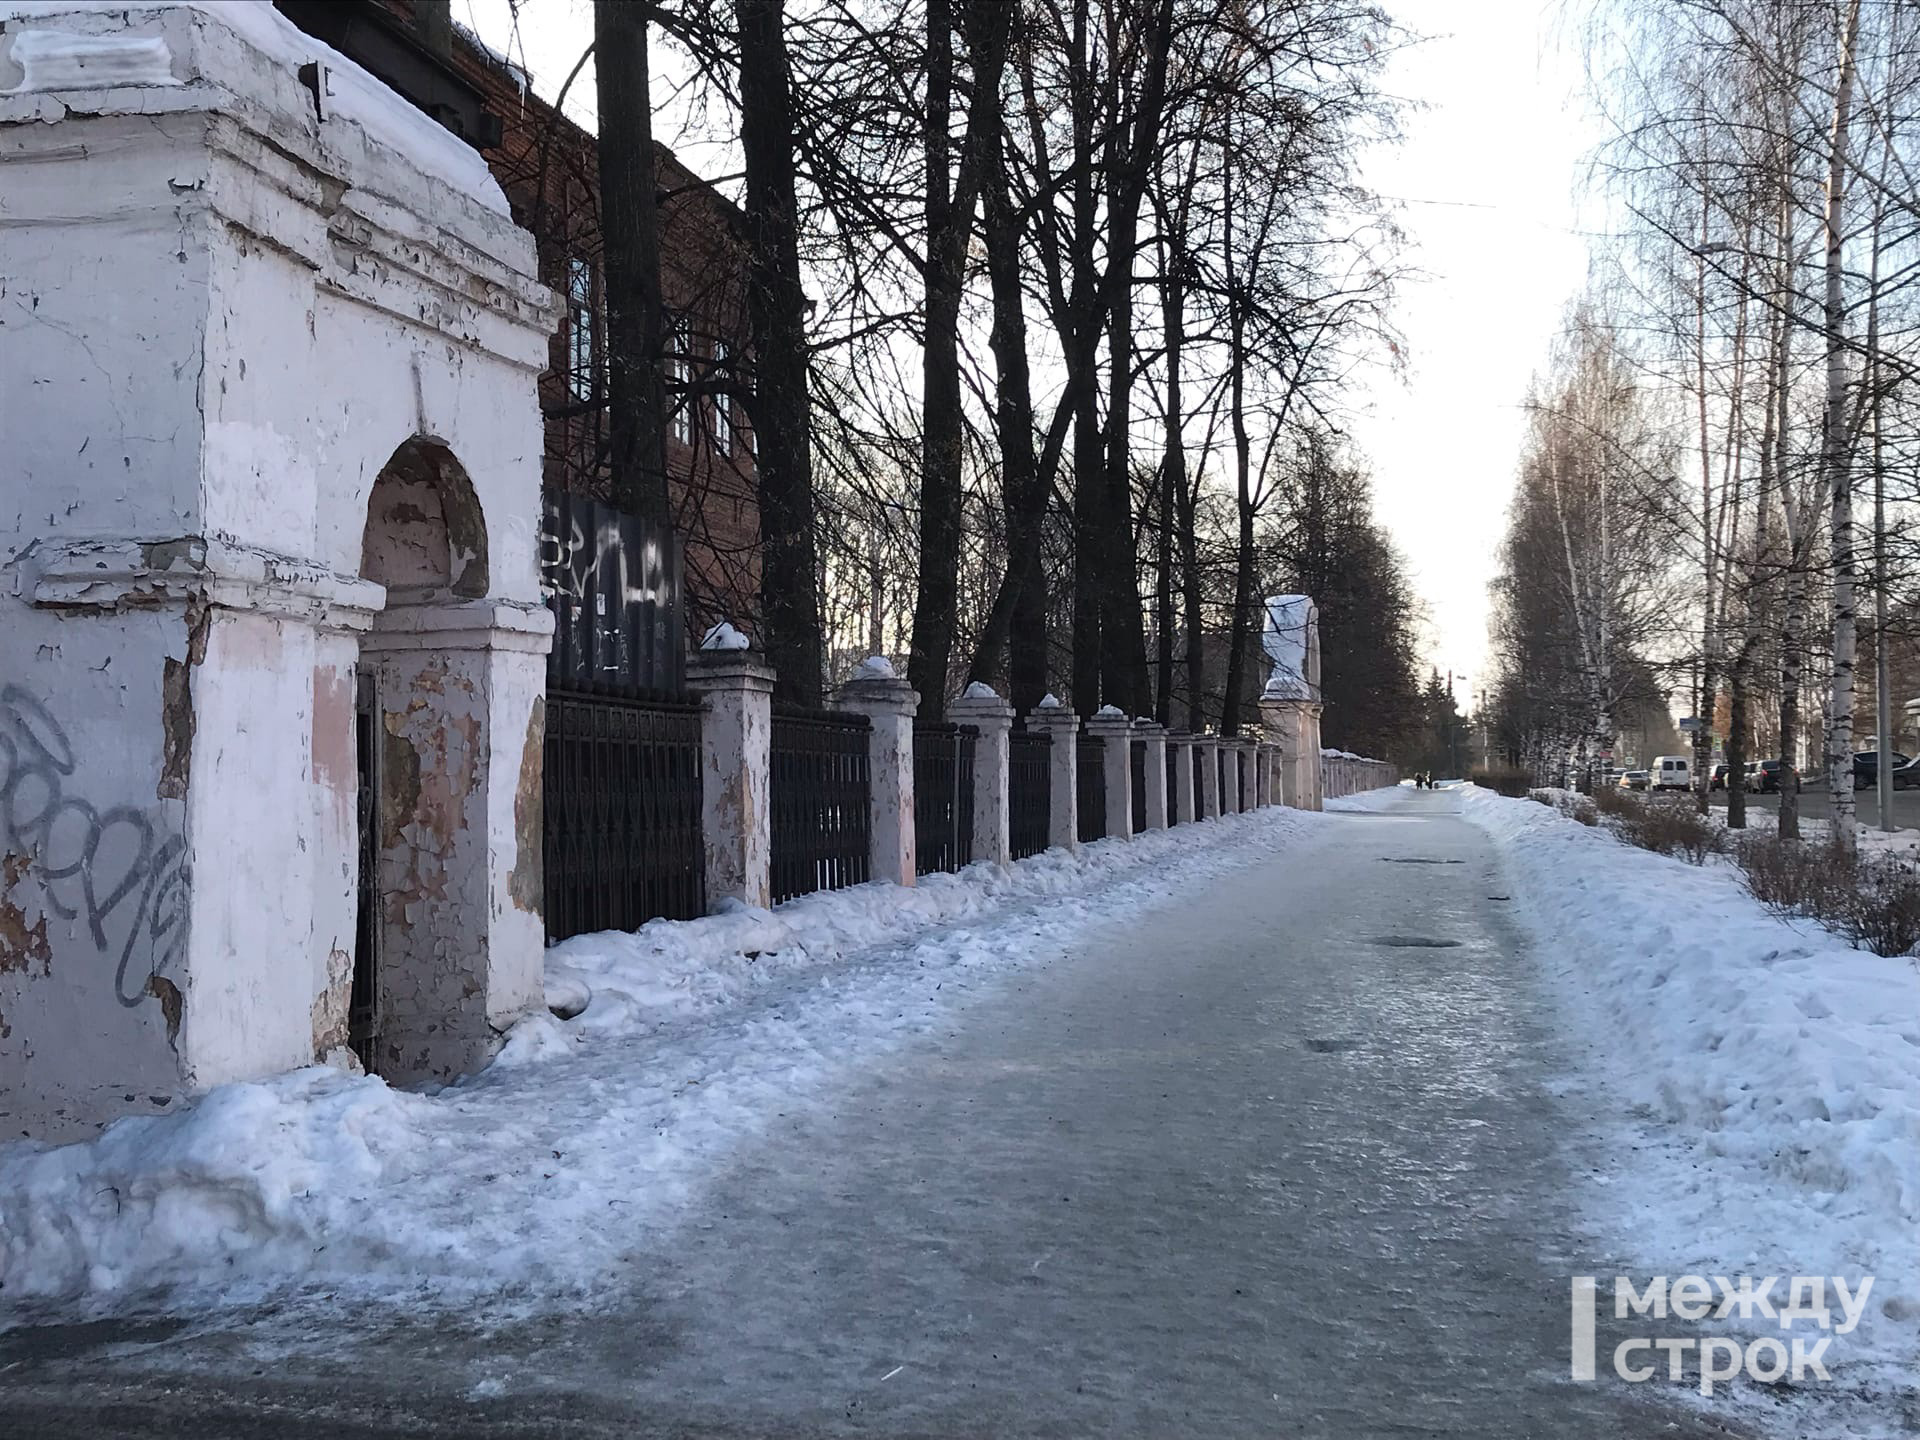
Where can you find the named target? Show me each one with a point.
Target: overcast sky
(1490, 178)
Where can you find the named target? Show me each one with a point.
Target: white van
(1671, 772)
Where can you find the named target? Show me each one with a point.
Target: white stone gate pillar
(992, 757)
(242, 314)
(1112, 726)
(1206, 755)
(736, 741)
(1063, 809)
(889, 704)
(1154, 736)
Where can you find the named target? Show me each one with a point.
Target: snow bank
(553, 1171)
(1761, 1077)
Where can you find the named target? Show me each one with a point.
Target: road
(1817, 804)
(1280, 1160)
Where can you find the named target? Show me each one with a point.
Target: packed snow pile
(1762, 1078)
(547, 1174)
(725, 637)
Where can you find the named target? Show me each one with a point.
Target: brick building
(548, 167)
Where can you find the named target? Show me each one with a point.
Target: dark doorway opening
(363, 1001)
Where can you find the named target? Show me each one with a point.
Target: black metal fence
(1029, 792)
(1173, 784)
(1091, 783)
(943, 796)
(1199, 783)
(621, 813)
(1139, 786)
(821, 784)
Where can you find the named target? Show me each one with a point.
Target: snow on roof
(514, 69)
(389, 125)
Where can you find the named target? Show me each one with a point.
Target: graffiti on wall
(119, 870)
(614, 583)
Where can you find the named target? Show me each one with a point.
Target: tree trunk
(776, 308)
(949, 229)
(1173, 476)
(1836, 456)
(630, 261)
(1019, 607)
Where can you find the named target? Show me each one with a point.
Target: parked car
(1672, 772)
(1907, 776)
(1763, 777)
(1866, 768)
(1720, 773)
(1633, 779)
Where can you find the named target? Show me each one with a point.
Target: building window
(680, 378)
(582, 359)
(722, 399)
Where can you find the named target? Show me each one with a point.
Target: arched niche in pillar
(419, 995)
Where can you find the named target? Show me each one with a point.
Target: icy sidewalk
(1757, 1080)
(547, 1175)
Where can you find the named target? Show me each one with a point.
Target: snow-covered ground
(1756, 1081)
(547, 1174)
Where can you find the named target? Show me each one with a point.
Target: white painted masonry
(1154, 736)
(1116, 767)
(1063, 794)
(231, 306)
(889, 704)
(736, 746)
(992, 717)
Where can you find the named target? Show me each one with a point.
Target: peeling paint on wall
(525, 883)
(399, 783)
(334, 764)
(176, 706)
(168, 994)
(118, 869)
(21, 944)
(332, 1005)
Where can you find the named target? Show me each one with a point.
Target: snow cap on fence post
(979, 707)
(1154, 736)
(889, 704)
(1063, 798)
(736, 737)
(1110, 724)
(1180, 798)
(1206, 754)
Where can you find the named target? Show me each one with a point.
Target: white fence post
(1154, 736)
(1108, 723)
(993, 718)
(889, 704)
(1206, 754)
(736, 737)
(1063, 797)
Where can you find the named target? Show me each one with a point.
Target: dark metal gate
(1199, 783)
(621, 817)
(943, 758)
(1029, 792)
(363, 999)
(1138, 760)
(1091, 783)
(1173, 787)
(821, 785)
